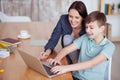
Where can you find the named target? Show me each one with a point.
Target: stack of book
(108, 9)
(9, 44)
(8, 47)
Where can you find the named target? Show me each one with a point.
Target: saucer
(4, 53)
(24, 37)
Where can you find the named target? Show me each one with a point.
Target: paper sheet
(38, 42)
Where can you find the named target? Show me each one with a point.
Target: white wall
(91, 5)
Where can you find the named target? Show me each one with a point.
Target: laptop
(37, 65)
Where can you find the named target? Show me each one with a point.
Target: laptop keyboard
(46, 63)
(48, 70)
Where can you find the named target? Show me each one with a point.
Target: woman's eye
(70, 16)
(77, 17)
(86, 27)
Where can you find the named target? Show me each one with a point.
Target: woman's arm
(57, 32)
(52, 41)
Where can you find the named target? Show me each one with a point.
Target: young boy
(95, 51)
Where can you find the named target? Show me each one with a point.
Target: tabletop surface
(14, 66)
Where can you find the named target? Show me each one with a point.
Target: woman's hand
(60, 69)
(44, 55)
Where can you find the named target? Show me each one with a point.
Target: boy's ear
(103, 28)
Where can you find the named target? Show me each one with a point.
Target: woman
(70, 27)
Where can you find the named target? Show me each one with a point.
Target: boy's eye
(91, 28)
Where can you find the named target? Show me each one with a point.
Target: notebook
(37, 65)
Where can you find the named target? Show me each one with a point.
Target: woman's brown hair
(80, 7)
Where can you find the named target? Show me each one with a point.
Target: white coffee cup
(24, 33)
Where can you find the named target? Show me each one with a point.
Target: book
(11, 41)
(106, 9)
(109, 9)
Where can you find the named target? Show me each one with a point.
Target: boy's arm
(88, 64)
(79, 66)
(63, 52)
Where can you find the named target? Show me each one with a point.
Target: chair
(108, 70)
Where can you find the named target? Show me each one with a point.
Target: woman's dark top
(62, 28)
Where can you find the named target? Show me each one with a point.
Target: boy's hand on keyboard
(60, 69)
(53, 62)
